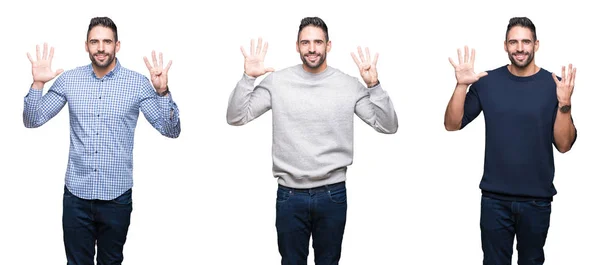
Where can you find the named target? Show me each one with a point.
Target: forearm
(456, 108)
(385, 120)
(564, 131)
(170, 123)
(240, 102)
(31, 111)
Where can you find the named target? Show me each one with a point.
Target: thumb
(482, 74)
(59, 71)
(269, 69)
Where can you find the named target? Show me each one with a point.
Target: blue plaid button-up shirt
(103, 114)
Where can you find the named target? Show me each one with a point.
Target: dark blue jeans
(502, 220)
(320, 212)
(90, 222)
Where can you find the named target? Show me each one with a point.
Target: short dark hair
(523, 22)
(315, 22)
(105, 22)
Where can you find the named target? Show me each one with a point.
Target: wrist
(37, 85)
(371, 85)
(163, 92)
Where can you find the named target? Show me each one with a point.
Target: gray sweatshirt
(313, 117)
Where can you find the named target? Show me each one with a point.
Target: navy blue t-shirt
(519, 115)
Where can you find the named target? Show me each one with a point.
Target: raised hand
(158, 74)
(367, 68)
(464, 70)
(564, 87)
(41, 69)
(254, 63)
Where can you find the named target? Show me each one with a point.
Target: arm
(40, 109)
(463, 107)
(374, 105)
(156, 102)
(247, 103)
(565, 132)
(160, 111)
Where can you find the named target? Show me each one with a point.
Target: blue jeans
(318, 211)
(90, 222)
(502, 220)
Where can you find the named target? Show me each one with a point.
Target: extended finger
(563, 76)
(264, 50)
(45, 55)
(51, 55)
(375, 59)
(368, 55)
(37, 52)
(154, 62)
(168, 66)
(452, 62)
(360, 53)
(160, 60)
(147, 63)
(555, 78)
(466, 54)
(29, 57)
(460, 57)
(259, 46)
(355, 59)
(572, 83)
(472, 56)
(251, 47)
(243, 51)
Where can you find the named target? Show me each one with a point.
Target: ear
(505, 47)
(297, 47)
(328, 46)
(117, 46)
(86, 47)
(536, 45)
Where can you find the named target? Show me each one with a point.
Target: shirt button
(95, 170)
(98, 115)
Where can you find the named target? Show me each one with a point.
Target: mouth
(312, 57)
(520, 56)
(100, 57)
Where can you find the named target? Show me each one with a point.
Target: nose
(312, 47)
(100, 46)
(520, 46)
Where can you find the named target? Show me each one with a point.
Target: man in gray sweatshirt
(313, 108)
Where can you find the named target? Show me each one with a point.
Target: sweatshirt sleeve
(247, 102)
(375, 107)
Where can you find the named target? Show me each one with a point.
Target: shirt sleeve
(472, 107)
(161, 112)
(375, 108)
(40, 109)
(247, 102)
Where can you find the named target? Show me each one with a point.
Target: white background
(208, 197)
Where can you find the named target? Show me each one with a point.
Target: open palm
(464, 70)
(254, 63)
(41, 68)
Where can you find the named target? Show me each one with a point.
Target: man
(104, 103)
(527, 110)
(313, 109)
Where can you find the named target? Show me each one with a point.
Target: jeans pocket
(337, 195)
(541, 203)
(283, 195)
(123, 199)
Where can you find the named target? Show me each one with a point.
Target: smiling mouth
(312, 57)
(100, 56)
(520, 57)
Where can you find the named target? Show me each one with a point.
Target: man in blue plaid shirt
(104, 101)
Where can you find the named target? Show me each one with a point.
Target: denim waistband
(315, 189)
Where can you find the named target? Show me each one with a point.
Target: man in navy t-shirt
(527, 110)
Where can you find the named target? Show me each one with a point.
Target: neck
(530, 70)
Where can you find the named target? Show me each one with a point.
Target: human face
(520, 46)
(102, 47)
(313, 49)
